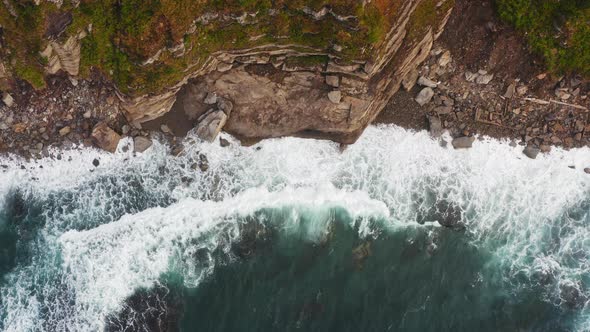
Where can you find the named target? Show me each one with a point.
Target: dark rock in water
(587, 170)
(223, 142)
(157, 309)
(255, 236)
(177, 150)
(449, 215)
(463, 142)
(440, 210)
(531, 152)
(571, 295)
(435, 126)
(203, 163)
(95, 162)
(360, 254)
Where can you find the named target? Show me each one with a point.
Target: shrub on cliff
(557, 29)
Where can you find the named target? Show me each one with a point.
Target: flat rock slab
(210, 124)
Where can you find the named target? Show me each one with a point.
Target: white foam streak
(109, 262)
(514, 206)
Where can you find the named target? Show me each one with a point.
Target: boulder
(210, 124)
(531, 152)
(140, 143)
(105, 137)
(463, 142)
(425, 96)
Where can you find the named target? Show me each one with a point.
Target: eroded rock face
(295, 68)
(277, 91)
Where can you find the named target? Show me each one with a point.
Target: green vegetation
(123, 34)
(557, 29)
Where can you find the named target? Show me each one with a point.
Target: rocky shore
(477, 79)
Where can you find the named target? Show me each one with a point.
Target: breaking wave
(78, 241)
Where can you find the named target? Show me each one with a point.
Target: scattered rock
(105, 138)
(444, 59)
(531, 152)
(333, 81)
(522, 90)
(165, 129)
(87, 115)
(64, 131)
(210, 124)
(335, 96)
(95, 162)
(211, 98)
(435, 126)
(510, 91)
(140, 143)
(471, 77)
(125, 129)
(223, 142)
(587, 170)
(423, 81)
(7, 99)
(425, 96)
(463, 142)
(442, 110)
(484, 79)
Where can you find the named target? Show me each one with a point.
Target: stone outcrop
(327, 76)
(277, 90)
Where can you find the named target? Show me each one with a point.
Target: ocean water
(296, 235)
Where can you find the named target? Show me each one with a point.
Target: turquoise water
(293, 235)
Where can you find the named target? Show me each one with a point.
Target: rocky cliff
(255, 68)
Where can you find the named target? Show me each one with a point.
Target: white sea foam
(518, 208)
